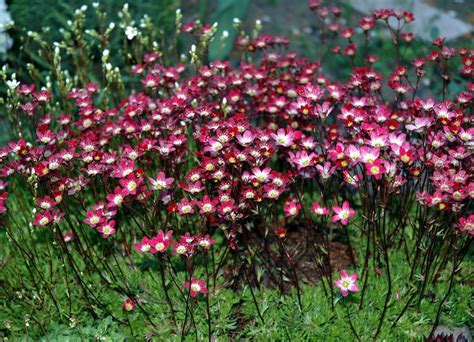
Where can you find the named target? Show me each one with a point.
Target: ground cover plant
(181, 199)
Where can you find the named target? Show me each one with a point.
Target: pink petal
(344, 274)
(353, 288)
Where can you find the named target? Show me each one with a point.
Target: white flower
(131, 32)
(12, 84)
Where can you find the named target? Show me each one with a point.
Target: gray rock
(460, 334)
(427, 17)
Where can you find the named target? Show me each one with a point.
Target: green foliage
(233, 312)
(224, 15)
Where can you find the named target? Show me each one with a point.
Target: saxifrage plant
(204, 170)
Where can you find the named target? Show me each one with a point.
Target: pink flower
(261, 176)
(185, 207)
(94, 217)
(226, 207)
(342, 214)
(246, 138)
(419, 124)
(347, 283)
(292, 209)
(205, 242)
(302, 159)
(130, 184)
(45, 203)
(144, 246)
(325, 171)
(185, 246)
(318, 210)
(125, 168)
(376, 169)
(207, 205)
(161, 242)
(107, 229)
(285, 138)
(467, 224)
(196, 287)
(43, 219)
(160, 182)
(272, 191)
(116, 199)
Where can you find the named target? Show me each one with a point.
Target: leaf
(226, 11)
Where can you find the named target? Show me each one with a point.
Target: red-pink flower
(160, 182)
(319, 210)
(261, 176)
(144, 246)
(347, 283)
(196, 287)
(467, 224)
(68, 236)
(107, 229)
(43, 219)
(343, 213)
(185, 207)
(376, 169)
(130, 184)
(128, 305)
(292, 209)
(207, 205)
(116, 199)
(205, 242)
(286, 137)
(161, 242)
(94, 217)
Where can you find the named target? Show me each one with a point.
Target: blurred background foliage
(50, 19)
(37, 15)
